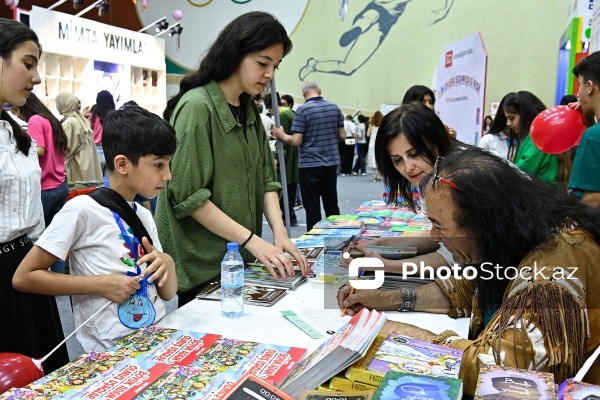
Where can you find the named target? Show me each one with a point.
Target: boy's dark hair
(134, 132)
(589, 68)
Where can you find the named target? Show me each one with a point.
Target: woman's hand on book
(274, 259)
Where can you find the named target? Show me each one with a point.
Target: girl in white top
(30, 323)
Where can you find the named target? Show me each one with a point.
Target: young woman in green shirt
(224, 177)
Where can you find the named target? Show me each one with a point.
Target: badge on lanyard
(137, 311)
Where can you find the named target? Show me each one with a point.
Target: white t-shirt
(496, 143)
(350, 128)
(267, 123)
(93, 240)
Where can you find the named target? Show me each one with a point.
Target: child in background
(103, 261)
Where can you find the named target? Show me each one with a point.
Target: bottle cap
(232, 246)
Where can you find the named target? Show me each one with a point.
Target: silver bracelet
(409, 298)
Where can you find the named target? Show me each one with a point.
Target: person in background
(286, 117)
(317, 129)
(52, 148)
(361, 146)
(426, 96)
(374, 123)
(266, 120)
(496, 140)
(568, 99)
(520, 109)
(109, 259)
(487, 123)
(585, 179)
(288, 101)
(409, 140)
(82, 162)
(224, 177)
(347, 146)
(104, 104)
(531, 296)
(30, 323)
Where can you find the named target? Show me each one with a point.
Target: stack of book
(336, 354)
(404, 354)
(161, 363)
(260, 275)
(256, 295)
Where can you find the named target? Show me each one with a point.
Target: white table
(267, 325)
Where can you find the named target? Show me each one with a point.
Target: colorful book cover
(185, 382)
(76, 374)
(308, 240)
(266, 361)
(143, 341)
(399, 385)
(184, 348)
(352, 232)
(496, 382)
(127, 379)
(23, 394)
(312, 252)
(390, 233)
(574, 390)
(339, 224)
(347, 217)
(335, 394)
(404, 354)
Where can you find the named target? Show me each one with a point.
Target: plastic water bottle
(232, 283)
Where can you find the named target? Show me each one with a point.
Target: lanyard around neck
(136, 243)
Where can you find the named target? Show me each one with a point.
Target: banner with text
(460, 88)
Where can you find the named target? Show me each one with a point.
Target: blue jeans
(102, 159)
(52, 201)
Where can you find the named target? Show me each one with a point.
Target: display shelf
(148, 88)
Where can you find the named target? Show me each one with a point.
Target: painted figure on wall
(369, 28)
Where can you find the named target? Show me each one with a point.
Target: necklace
(235, 111)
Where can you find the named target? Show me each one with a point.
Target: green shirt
(531, 159)
(585, 176)
(213, 161)
(286, 116)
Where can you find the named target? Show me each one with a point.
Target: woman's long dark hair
(417, 93)
(424, 131)
(248, 33)
(12, 35)
(33, 106)
(104, 104)
(527, 106)
(507, 221)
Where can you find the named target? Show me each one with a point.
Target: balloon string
(587, 365)
(74, 331)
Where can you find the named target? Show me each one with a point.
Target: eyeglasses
(436, 177)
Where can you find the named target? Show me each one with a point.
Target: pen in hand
(352, 291)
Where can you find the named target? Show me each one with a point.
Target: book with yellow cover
(358, 371)
(341, 383)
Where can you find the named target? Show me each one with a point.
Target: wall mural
(370, 27)
(203, 19)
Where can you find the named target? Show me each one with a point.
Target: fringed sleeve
(460, 295)
(541, 327)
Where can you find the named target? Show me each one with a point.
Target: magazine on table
(256, 295)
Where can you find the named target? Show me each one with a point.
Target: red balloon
(557, 129)
(17, 370)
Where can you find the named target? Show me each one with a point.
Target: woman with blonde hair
(82, 162)
(374, 123)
